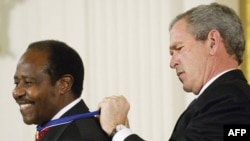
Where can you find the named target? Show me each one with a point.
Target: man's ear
(65, 83)
(215, 40)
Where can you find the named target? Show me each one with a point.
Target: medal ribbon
(66, 120)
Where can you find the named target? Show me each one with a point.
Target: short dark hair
(62, 59)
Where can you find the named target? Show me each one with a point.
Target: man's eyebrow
(24, 77)
(174, 45)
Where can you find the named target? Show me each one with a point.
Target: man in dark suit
(206, 46)
(49, 82)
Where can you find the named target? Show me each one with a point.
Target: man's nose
(18, 92)
(173, 61)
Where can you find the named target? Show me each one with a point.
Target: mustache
(24, 100)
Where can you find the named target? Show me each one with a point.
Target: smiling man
(49, 82)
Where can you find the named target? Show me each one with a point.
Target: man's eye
(29, 82)
(175, 49)
(16, 83)
(179, 48)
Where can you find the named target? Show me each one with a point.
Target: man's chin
(28, 121)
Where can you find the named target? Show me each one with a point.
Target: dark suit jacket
(87, 129)
(225, 101)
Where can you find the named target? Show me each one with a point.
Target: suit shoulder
(231, 89)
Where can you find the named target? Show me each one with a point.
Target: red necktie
(41, 133)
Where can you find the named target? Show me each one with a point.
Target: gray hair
(202, 19)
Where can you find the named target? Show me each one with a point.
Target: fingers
(114, 111)
(113, 100)
(114, 104)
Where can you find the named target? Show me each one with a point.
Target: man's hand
(114, 111)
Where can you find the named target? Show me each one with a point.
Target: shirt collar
(211, 81)
(66, 108)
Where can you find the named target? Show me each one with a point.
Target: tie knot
(41, 133)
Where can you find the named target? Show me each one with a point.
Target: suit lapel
(185, 116)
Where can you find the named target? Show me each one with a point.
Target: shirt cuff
(122, 134)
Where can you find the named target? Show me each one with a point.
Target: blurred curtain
(245, 17)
